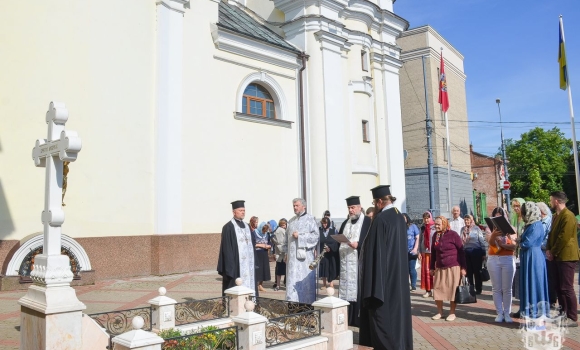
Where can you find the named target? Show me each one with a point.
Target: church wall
(76, 52)
(250, 161)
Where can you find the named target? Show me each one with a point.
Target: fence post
(251, 328)
(238, 297)
(162, 311)
(334, 319)
(137, 338)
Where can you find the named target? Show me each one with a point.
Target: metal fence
(119, 322)
(218, 339)
(201, 310)
(286, 329)
(273, 308)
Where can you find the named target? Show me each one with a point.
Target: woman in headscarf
(273, 227)
(447, 266)
(474, 246)
(534, 299)
(501, 264)
(425, 241)
(547, 223)
(517, 220)
(262, 261)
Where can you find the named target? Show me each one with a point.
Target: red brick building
(485, 173)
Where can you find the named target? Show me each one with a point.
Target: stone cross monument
(50, 316)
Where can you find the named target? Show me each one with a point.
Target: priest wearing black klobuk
(385, 315)
(354, 228)
(237, 251)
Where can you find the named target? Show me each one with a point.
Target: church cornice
(240, 44)
(174, 5)
(434, 54)
(430, 30)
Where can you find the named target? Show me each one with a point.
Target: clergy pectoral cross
(60, 146)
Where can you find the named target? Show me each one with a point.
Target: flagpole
(449, 198)
(574, 144)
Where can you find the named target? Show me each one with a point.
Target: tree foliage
(538, 163)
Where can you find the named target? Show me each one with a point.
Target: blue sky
(510, 50)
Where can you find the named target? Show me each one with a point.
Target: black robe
(385, 314)
(229, 258)
(354, 307)
(327, 266)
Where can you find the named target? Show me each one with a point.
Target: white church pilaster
(168, 118)
(333, 88)
(395, 175)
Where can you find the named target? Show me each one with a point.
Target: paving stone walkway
(474, 327)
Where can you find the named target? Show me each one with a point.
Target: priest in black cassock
(237, 251)
(355, 228)
(385, 315)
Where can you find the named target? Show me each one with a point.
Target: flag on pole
(562, 59)
(443, 98)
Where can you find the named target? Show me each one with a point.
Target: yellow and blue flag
(562, 60)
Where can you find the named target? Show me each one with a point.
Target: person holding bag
(474, 245)
(447, 266)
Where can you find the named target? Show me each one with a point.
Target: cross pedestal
(50, 312)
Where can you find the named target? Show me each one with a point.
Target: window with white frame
(258, 101)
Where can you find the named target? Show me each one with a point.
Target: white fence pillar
(238, 297)
(334, 321)
(251, 328)
(137, 338)
(163, 311)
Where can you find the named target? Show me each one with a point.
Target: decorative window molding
(275, 90)
(242, 45)
(262, 120)
(364, 87)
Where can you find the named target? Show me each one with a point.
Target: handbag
(465, 293)
(300, 254)
(484, 273)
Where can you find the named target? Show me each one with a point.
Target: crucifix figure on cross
(60, 146)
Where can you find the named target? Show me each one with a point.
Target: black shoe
(275, 286)
(413, 289)
(516, 314)
(478, 292)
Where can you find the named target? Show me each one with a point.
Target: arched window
(258, 101)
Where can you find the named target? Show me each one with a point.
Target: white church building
(184, 106)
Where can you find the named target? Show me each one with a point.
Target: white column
(168, 120)
(394, 136)
(334, 115)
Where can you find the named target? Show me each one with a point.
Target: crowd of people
(374, 254)
(535, 264)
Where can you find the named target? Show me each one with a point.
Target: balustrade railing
(201, 310)
(292, 327)
(119, 321)
(273, 308)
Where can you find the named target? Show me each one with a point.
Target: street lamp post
(505, 167)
